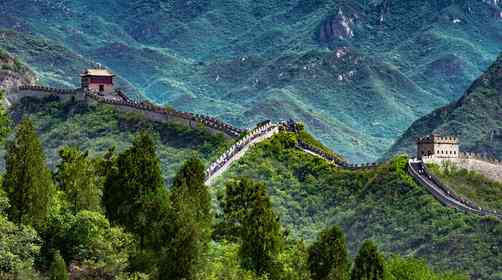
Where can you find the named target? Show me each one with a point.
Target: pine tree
(77, 177)
(328, 257)
(190, 180)
(58, 270)
(27, 180)
(239, 195)
(134, 192)
(261, 236)
(369, 263)
(191, 215)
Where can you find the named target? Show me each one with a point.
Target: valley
(332, 64)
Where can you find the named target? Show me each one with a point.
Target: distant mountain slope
(343, 67)
(476, 118)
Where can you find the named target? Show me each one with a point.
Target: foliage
(294, 261)
(184, 255)
(58, 269)
(369, 263)
(474, 118)
(4, 119)
(19, 246)
(399, 268)
(340, 69)
(88, 237)
(190, 181)
(224, 264)
(237, 202)
(97, 129)
(27, 181)
(328, 256)
(382, 204)
(77, 177)
(134, 192)
(471, 185)
(261, 236)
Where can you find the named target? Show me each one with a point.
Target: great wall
(150, 111)
(247, 139)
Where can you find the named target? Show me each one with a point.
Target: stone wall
(489, 168)
(148, 110)
(160, 114)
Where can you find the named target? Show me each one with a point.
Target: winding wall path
(415, 168)
(121, 102)
(238, 150)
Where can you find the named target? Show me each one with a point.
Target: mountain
(383, 204)
(476, 118)
(99, 128)
(357, 72)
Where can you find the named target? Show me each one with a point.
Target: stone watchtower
(97, 80)
(437, 146)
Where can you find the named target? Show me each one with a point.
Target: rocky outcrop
(336, 27)
(13, 74)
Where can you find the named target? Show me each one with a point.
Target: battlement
(120, 101)
(438, 146)
(437, 139)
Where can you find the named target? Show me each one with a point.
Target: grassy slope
(472, 185)
(474, 118)
(98, 128)
(247, 60)
(383, 204)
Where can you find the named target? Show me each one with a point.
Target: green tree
(192, 219)
(134, 192)
(87, 236)
(58, 270)
(294, 260)
(27, 181)
(4, 120)
(77, 177)
(328, 257)
(369, 263)
(190, 181)
(239, 195)
(261, 236)
(399, 268)
(19, 247)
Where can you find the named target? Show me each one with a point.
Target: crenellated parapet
(162, 114)
(57, 91)
(262, 132)
(481, 157)
(120, 101)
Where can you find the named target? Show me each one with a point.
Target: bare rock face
(337, 27)
(13, 74)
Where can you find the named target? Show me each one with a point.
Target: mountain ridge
(172, 54)
(475, 118)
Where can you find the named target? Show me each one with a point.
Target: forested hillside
(476, 118)
(342, 67)
(113, 217)
(99, 128)
(383, 204)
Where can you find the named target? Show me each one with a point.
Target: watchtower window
(101, 88)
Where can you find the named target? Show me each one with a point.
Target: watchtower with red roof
(97, 80)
